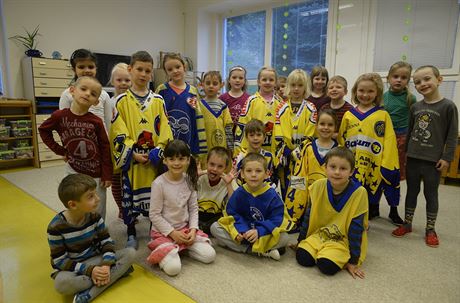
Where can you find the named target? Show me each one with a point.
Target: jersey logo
(217, 138)
(156, 125)
(379, 128)
(330, 233)
(143, 121)
(256, 214)
(145, 140)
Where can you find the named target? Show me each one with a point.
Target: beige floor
(402, 270)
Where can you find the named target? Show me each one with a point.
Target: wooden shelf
(15, 138)
(15, 116)
(11, 109)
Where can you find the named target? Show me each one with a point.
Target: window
(299, 36)
(298, 31)
(403, 27)
(244, 42)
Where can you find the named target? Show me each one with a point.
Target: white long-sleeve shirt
(172, 205)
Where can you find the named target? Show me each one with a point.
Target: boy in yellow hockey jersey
(255, 136)
(139, 132)
(333, 233)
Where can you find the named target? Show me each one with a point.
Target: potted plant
(30, 42)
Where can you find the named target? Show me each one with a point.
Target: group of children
(293, 157)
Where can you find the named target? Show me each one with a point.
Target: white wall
(116, 26)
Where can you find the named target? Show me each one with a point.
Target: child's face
(399, 79)
(88, 202)
(254, 174)
(281, 86)
(212, 86)
(86, 93)
(336, 91)
(216, 167)
(266, 82)
(177, 164)
(319, 82)
(85, 67)
(255, 140)
(121, 81)
(366, 93)
(297, 91)
(237, 80)
(325, 126)
(426, 83)
(175, 70)
(141, 73)
(338, 172)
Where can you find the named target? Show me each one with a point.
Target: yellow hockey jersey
(372, 138)
(309, 167)
(212, 199)
(257, 108)
(331, 223)
(137, 128)
(215, 123)
(292, 129)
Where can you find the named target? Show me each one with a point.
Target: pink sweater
(173, 205)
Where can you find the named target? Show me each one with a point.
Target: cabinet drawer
(51, 63)
(40, 141)
(51, 82)
(40, 118)
(49, 155)
(48, 91)
(53, 73)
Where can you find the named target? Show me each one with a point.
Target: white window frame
(330, 43)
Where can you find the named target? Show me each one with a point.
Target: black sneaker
(396, 219)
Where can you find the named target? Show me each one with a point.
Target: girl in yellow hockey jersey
(333, 233)
(294, 121)
(309, 164)
(367, 130)
(262, 106)
(217, 120)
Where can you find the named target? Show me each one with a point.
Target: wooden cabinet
(44, 81)
(45, 155)
(18, 140)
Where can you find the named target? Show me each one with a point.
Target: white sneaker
(274, 254)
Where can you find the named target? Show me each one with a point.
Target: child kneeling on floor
(333, 233)
(255, 219)
(82, 252)
(174, 212)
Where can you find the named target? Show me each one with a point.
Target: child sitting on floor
(255, 219)
(83, 257)
(333, 233)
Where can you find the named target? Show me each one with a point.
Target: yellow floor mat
(25, 265)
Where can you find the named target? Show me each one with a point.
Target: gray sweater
(433, 131)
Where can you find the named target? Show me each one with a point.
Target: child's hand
(101, 275)
(141, 158)
(251, 235)
(179, 237)
(200, 171)
(228, 178)
(239, 238)
(355, 271)
(191, 235)
(442, 164)
(106, 184)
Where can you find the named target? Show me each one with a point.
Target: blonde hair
(393, 68)
(118, 66)
(269, 69)
(298, 76)
(319, 71)
(433, 68)
(373, 77)
(340, 80)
